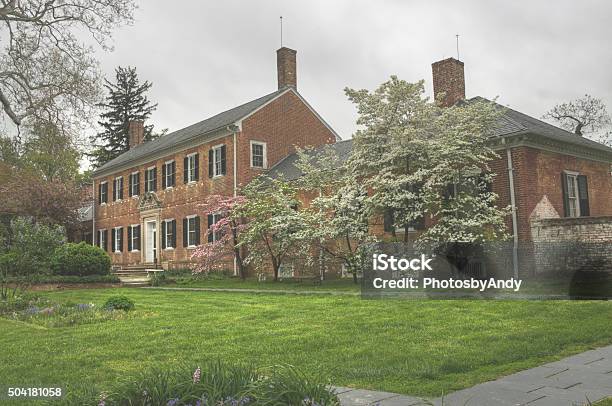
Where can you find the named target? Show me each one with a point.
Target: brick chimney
(135, 133)
(286, 67)
(448, 78)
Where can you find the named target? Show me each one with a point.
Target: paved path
(571, 381)
(283, 291)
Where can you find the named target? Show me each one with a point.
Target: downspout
(513, 206)
(235, 188)
(93, 212)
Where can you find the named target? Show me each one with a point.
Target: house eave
(550, 144)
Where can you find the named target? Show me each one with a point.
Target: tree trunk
(238, 254)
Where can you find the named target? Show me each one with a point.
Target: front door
(151, 242)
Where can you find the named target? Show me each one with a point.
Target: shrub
(119, 303)
(213, 383)
(80, 259)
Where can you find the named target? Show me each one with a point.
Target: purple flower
(83, 306)
(197, 375)
(172, 402)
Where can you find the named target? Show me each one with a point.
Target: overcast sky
(204, 57)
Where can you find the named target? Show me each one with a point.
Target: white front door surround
(150, 241)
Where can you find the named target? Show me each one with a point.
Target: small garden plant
(119, 303)
(213, 383)
(44, 312)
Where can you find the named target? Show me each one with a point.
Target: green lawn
(414, 347)
(345, 285)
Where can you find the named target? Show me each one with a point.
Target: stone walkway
(575, 380)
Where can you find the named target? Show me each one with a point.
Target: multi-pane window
(258, 154)
(169, 234)
(103, 192)
(117, 240)
(134, 237)
(213, 219)
(191, 167)
(134, 184)
(573, 200)
(191, 231)
(102, 235)
(216, 161)
(151, 179)
(118, 188)
(168, 174)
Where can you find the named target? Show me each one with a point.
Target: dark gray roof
(209, 125)
(515, 122)
(511, 123)
(287, 169)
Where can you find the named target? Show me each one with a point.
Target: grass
(423, 348)
(344, 285)
(605, 402)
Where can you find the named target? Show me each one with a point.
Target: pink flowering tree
(223, 235)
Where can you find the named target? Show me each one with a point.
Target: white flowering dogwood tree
(340, 215)
(416, 159)
(276, 229)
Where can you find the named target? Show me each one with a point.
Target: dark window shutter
(154, 179)
(565, 195)
(129, 238)
(146, 183)
(164, 173)
(185, 232)
(114, 189)
(583, 195)
(173, 233)
(98, 238)
(223, 159)
(113, 240)
(121, 188)
(197, 230)
(121, 239)
(131, 185)
(196, 160)
(173, 177)
(138, 183)
(105, 240)
(185, 169)
(99, 193)
(208, 225)
(163, 235)
(388, 221)
(210, 163)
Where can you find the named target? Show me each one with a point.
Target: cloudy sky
(204, 57)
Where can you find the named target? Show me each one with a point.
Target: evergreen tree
(126, 101)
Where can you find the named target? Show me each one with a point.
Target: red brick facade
(282, 124)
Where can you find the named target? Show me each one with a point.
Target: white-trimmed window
(168, 174)
(134, 184)
(258, 155)
(191, 168)
(102, 235)
(118, 188)
(191, 231)
(151, 179)
(117, 239)
(103, 192)
(134, 238)
(169, 234)
(213, 219)
(218, 160)
(573, 197)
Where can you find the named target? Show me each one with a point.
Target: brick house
(559, 184)
(145, 212)
(145, 205)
